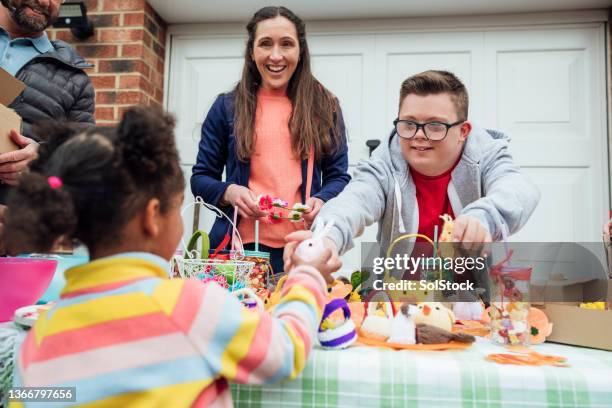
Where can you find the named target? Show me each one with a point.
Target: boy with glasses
(434, 162)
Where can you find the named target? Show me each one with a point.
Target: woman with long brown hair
(279, 133)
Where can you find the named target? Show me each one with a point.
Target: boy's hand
(470, 231)
(328, 263)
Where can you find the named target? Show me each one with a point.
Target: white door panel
(402, 55)
(547, 95)
(347, 71)
(563, 189)
(201, 68)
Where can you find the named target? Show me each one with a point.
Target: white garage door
(543, 85)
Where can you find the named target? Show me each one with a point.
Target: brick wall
(127, 51)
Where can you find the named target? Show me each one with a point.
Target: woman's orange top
(275, 169)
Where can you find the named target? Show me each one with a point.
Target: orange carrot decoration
(531, 359)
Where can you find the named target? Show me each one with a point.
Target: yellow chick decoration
(434, 314)
(446, 236)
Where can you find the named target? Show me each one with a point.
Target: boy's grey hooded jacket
(486, 184)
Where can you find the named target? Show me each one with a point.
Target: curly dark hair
(108, 175)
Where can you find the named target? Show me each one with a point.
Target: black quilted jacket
(57, 88)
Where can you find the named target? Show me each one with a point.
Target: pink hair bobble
(55, 182)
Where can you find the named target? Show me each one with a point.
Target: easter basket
(231, 272)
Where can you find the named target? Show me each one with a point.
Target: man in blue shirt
(20, 41)
(57, 86)
(22, 37)
(18, 49)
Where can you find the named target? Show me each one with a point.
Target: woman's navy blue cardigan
(217, 151)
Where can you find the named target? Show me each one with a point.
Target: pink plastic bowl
(22, 282)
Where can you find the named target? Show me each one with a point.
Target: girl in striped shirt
(122, 333)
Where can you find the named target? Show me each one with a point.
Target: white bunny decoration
(403, 329)
(311, 249)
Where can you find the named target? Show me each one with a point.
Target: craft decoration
(473, 327)
(403, 329)
(468, 310)
(249, 299)
(275, 296)
(593, 305)
(528, 357)
(539, 326)
(428, 334)
(446, 236)
(366, 341)
(467, 305)
(509, 309)
(379, 315)
(274, 207)
(434, 314)
(336, 332)
(404, 334)
(313, 248)
(339, 289)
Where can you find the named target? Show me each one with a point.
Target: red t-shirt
(433, 201)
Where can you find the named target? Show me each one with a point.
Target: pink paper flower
(264, 202)
(275, 218)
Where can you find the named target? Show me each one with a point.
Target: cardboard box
(11, 88)
(583, 327)
(557, 291)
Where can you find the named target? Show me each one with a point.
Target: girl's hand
(315, 205)
(244, 200)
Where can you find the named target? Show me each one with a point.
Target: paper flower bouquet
(279, 210)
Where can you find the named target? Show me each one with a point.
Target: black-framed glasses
(436, 131)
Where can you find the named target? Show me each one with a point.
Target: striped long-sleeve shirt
(125, 335)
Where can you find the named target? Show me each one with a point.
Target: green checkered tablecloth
(375, 377)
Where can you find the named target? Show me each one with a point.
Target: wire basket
(231, 273)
